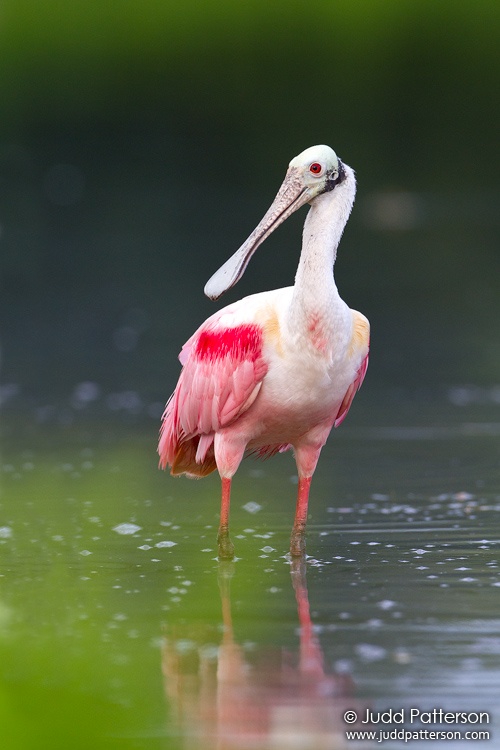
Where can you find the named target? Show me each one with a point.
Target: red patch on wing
(241, 342)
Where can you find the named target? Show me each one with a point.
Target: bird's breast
(299, 392)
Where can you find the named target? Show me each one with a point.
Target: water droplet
(125, 338)
(126, 528)
(401, 656)
(252, 507)
(370, 652)
(84, 393)
(386, 604)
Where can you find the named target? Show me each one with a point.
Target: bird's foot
(298, 543)
(225, 545)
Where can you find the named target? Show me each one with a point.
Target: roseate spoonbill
(276, 370)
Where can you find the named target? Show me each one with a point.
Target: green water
(119, 627)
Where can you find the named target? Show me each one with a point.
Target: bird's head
(315, 171)
(318, 169)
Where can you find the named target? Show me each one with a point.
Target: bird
(277, 370)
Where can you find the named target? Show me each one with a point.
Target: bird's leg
(226, 547)
(297, 541)
(229, 451)
(306, 458)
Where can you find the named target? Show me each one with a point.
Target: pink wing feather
(351, 392)
(222, 374)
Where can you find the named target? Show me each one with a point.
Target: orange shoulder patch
(360, 333)
(271, 328)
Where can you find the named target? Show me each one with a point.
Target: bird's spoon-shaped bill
(292, 195)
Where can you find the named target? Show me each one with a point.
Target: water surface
(119, 627)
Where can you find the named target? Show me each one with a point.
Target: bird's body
(279, 369)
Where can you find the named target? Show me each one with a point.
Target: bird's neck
(316, 304)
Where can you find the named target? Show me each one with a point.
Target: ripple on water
(127, 528)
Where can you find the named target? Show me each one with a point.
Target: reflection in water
(282, 700)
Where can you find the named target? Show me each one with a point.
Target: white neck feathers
(323, 230)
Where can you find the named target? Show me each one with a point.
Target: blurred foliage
(177, 120)
(401, 77)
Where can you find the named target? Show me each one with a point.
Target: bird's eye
(315, 168)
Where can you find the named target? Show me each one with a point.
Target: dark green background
(174, 124)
